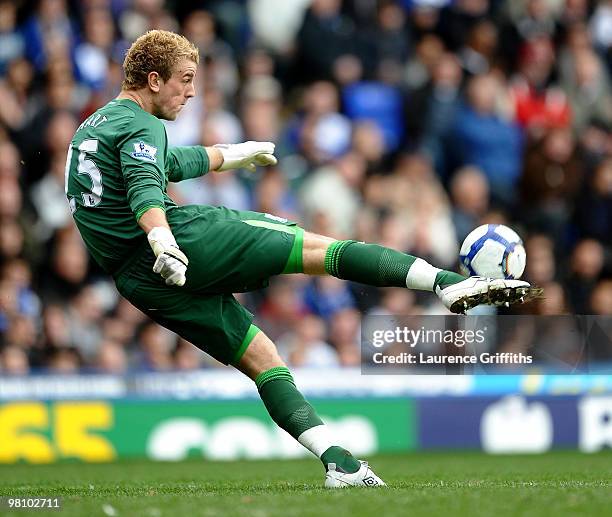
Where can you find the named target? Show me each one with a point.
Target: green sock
(368, 263)
(291, 412)
(446, 278)
(343, 459)
(285, 403)
(384, 267)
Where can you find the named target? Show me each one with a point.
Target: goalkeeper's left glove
(171, 263)
(247, 155)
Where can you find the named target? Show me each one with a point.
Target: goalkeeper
(180, 265)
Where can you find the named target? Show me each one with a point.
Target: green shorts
(229, 251)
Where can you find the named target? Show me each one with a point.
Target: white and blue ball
(493, 251)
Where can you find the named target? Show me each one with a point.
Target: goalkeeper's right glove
(248, 155)
(171, 262)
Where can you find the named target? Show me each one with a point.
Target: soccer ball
(493, 251)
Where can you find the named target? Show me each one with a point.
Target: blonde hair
(155, 51)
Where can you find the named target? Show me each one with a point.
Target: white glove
(171, 262)
(247, 155)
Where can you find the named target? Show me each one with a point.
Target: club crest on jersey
(144, 151)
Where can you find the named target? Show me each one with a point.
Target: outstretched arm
(187, 162)
(194, 161)
(247, 155)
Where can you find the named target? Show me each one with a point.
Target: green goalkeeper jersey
(118, 166)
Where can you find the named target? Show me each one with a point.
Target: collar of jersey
(130, 101)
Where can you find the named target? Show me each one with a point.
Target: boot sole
(497, 296)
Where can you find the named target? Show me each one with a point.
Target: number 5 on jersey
(88, 167)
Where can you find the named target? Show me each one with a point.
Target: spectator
(21, 332)
(601, 303)
(15, 104)
(482, 138)
(17, 272)
(9, 162)
(478, 54)
(306, 346)
(143, 15)
(334, 191)
(550, 182)
(220, 124)
(541, 268)
(49, 32)
(327, 295)
(554, 303)
(470, 194)
(586, 266)
(600, 25)
(117, 330)
(273, 195)
(595, 143)
(12, 44)
(186, 356)
(14, 361)
(389, 37)
(261, 104)
(68, 268)
(49, 199)
(318, 100)
(458, 18)
(111, 358)
(63, 361)
(432, 111)
(419, 221)
(380, 103)
(84, 313)
(418, 69)
(55, 327)
(396, 302)
(538, 105)
(344, 335)
(589, 92)
(599, 346)
(528, 20)
(92, 55)
(283, 307)
(325, 35)
(10, 199)
(277, 32)
(594, 205)
(215, 189)
(155, 344)
(11, 239)
(200, 28)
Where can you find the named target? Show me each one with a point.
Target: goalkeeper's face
(174, 93)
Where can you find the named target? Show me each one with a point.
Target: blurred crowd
(402, 122)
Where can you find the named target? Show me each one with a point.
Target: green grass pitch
(427, 484)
